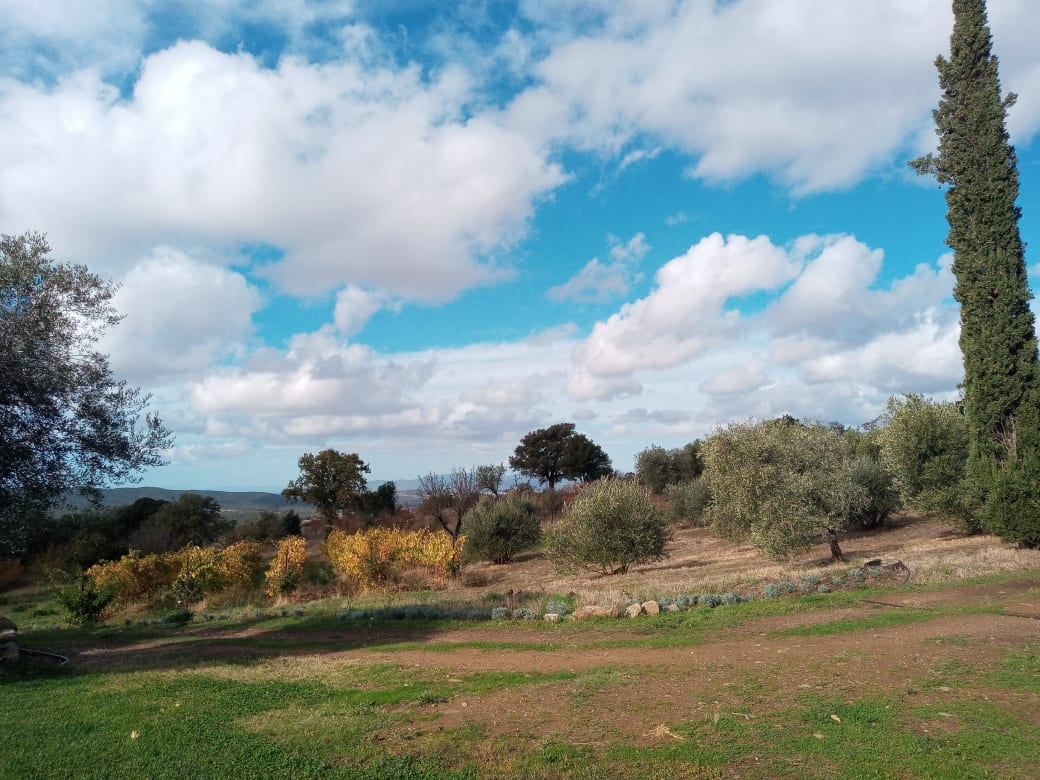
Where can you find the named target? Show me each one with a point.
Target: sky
(417, 230)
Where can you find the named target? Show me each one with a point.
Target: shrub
(687, 501)
(611, 526)
(240, 565)
(199, 575)
(134, 578)
(286, 568)
(379, 556)
(497, 529)
(84, 600)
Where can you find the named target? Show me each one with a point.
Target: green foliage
(775, 483)
(657, 467)
(612, 525)
(489, 478)
(266, 526)
(924, 443)
(865, 494)
(998, 337)
(584, 460)
(84, 601)
(688, 501)
(497, 529)
(1013, 511)
(332, 481)
(559, 452)
(377, 503)
(190, 520)
(67, 423)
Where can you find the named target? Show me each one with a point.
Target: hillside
(228, 500)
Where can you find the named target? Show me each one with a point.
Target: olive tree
(925, 445)
(611, 526)
(499, 528)
(66, 422)
(775, 483)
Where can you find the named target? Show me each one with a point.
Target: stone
(671, 608)
(612, 611)
(651, 608)
(552, 617)
(635, 610)
(584, 613)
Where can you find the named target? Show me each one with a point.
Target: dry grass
(700, 562)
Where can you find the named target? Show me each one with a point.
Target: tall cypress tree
(977, 164)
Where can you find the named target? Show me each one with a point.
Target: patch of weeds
(594, 680)
(1020, 670)
(945, 673)
(562, 756)
(558, 607)
(500, 613)
(429, 698)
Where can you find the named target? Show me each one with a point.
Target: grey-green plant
(657, 468)
(978, 167)
(611, 526)
(924, 443)
(497, 529)
(865, 494)
(774, 483)
(688, 501)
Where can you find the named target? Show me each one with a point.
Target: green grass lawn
(279, 707)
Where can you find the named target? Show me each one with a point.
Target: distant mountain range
(229, 500)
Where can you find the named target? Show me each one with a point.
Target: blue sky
(418, 230)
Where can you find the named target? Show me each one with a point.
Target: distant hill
(229, 500)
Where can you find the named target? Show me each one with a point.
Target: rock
(8, 640)
(612, 611)
(635, 610)
(651, 608)
(584, 613)
(671, 608)
(552, 617)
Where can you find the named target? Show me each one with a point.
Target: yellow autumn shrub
(377, 556)
(286, 568)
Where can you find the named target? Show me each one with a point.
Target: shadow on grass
(170, 646)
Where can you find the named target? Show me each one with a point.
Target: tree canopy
(559, 452)
(331, 480)
(68, 424)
